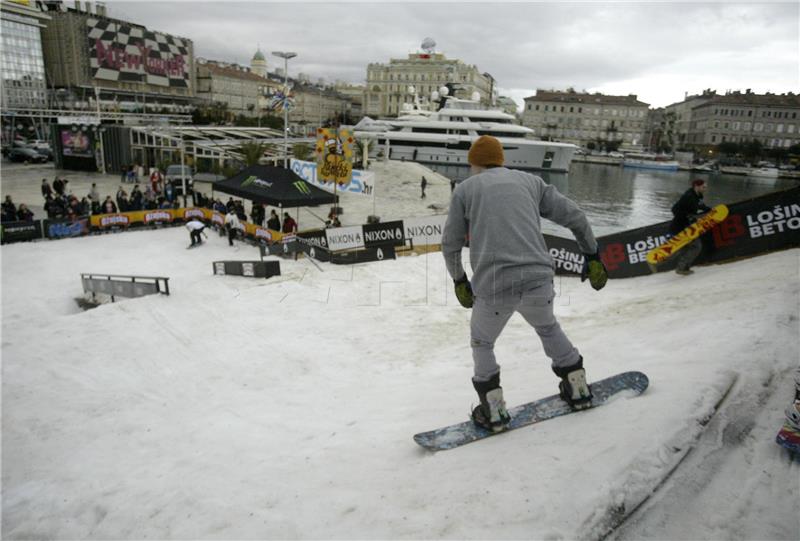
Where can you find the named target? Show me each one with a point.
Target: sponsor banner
(361, 184)
(60, 229)
(345, 238)
(20, 231)
(104, 221)
(260, 233)
(157, 216)
(425, 229)
(195, 212)
(754, 226)
(382, 234)
(313, 238)
(312, 247)
(126, 53)
(363, 256)
(334, 150)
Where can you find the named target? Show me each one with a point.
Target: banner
(362, 183)
(60, 229)
(128, 53)
(384, 234)
(334, 150)
(425, 230)
(20, 231)
(754, 226)
(345, 238)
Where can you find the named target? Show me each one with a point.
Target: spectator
(257, 214)
(164, 203)
(136, 199)
(24, 214)
(685, 212)
(423, 184)
(274, 222)
(109, 207)
(120, 194)
(123, 203)
(169, 192)
(229, 205)
(9, 213)
(289, 225)
(240, 213)
(155, 179)
(94, 205)
(131, 174)
(58, 186)
(94, 195)
(46, 189)
(220, 207)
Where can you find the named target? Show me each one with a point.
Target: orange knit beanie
(486, 150)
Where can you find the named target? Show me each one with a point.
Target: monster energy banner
(361, 184)
(754, 226)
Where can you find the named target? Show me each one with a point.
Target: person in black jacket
(685, 212)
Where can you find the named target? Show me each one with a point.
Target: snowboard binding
(573, 388)
(491, 413)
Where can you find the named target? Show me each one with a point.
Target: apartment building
(579, 117)
(739, 117)
(388, 84)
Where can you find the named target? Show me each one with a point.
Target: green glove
(595, 271)
(464, 292)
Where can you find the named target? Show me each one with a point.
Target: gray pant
(535, 304)
(689, 253)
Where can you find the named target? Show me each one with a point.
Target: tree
(752, 149)
(301, 151)
(362, 148)
(253, 152)
(729, 148)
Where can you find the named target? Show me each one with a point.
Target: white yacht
(444, 136)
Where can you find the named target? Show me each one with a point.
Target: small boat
(650, 161)
(763, 172)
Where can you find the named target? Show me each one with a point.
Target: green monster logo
(249, 180)
(302, 187)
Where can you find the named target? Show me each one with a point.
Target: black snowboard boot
(491, 414)
(573, 388)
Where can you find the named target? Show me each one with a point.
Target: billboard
(127, 53)
(76, 144)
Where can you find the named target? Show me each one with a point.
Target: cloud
(655, 50)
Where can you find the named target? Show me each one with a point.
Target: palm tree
(363, 151)
(253, 152)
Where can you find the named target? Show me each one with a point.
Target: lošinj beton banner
(754, 226)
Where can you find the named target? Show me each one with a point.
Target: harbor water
(617, 199)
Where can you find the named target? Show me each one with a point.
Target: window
(537, 106)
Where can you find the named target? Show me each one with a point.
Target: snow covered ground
(239, 408)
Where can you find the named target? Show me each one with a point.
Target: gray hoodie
(501, 211)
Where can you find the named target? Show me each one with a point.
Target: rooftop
(570, 96)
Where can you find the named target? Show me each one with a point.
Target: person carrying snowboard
(195, 228)
(685, 212)
(500, 211)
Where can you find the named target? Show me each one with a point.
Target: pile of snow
(285, 408)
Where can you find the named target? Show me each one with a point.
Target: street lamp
(286, 55)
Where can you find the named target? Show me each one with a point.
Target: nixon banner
(19, 231)
(384, 234)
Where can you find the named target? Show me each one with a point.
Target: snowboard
(789, 437)
(194, 245)
(703, 225)
(460, 434)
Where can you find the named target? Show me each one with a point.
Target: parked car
(26, 155)
(44, 151)
(175, 175)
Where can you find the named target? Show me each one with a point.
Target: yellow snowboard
(707, 222)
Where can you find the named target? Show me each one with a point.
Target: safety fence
(753, 226)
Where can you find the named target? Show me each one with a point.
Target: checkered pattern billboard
(126, 53)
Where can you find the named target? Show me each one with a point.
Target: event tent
(273, 186)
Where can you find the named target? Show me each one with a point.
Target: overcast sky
(657, 50)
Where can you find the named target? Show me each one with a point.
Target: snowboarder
(232, 224)
(195, 228)
(686, 211)
(423, 185)
(499, 210)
